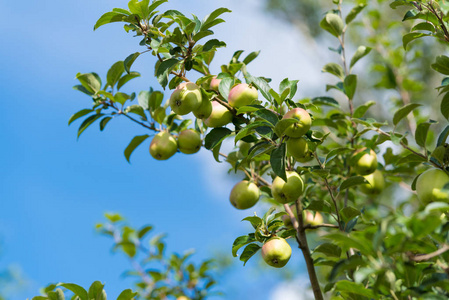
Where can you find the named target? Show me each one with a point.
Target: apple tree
(330, 167)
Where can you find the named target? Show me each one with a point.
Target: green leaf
(121, 98)
(82, 89)
(362, 109)
(248, 252)
(250, 57)
(319, 205)
(114, 73)
(207, 22)
(215, 137)
(58, 294)
(262, 85)
(127, 78)
(110, 17)
(164, 69)
(282, 125)
(352, 181)
(409, 37)
(424, 26)
(135, 142)
(403, 112)
(443, 136)
(328, 249)
(113, 217)
(254, 220)
(289, 84)
(361, 52)
(96, 290)
(325, 101)
(242, 241)
(76, 289)
(267, 115)
(334, 69)
(90, 81)
(354, 12)
(334, 152)
(410, 158)
(277, 161)
(87, 122)
(350, 85)
(127, 295)
(129, 61)
(225, 86)
(444, 107)
(143, 231)
(421, 133)
(136, 109)
(348, 213)
(441, 64)
(202, 34)
(104, 122)
(140, 8)
(333, 24)
(213, 44)
(354, 288)
(79, 114)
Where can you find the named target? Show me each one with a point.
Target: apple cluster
(164, 145)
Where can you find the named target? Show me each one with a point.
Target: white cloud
(297, 289)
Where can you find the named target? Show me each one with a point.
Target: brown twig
(424, 257)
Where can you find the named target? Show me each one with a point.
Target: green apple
(276, 252)
(204, 110)
(301, 127)
(186, 98)
(430, 184)
(298, 148)
(214, 83)
(286, 218)
(189, 141)
(364, 163)
(376, 183)
(242, 94)
(309, 218)
(244, 194)
(244, 149)
(163, 146)
(219, 117)
(308, 157)
(286, 192)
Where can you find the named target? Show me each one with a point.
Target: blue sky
(53, 188)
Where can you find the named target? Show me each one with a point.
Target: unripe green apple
(376, 183)
(276, 252)
(219, 117)
(244, 194)
(298, 148)
(244, 149)
(186, 98)
(214, 83)
(430, 184)
(364, 163)
(286, 192)
(301, 127)
(286, 218)
(308, 157)
(163, 146)
(313, 220)
(189, 141)
(242, 94)
(204, 110)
